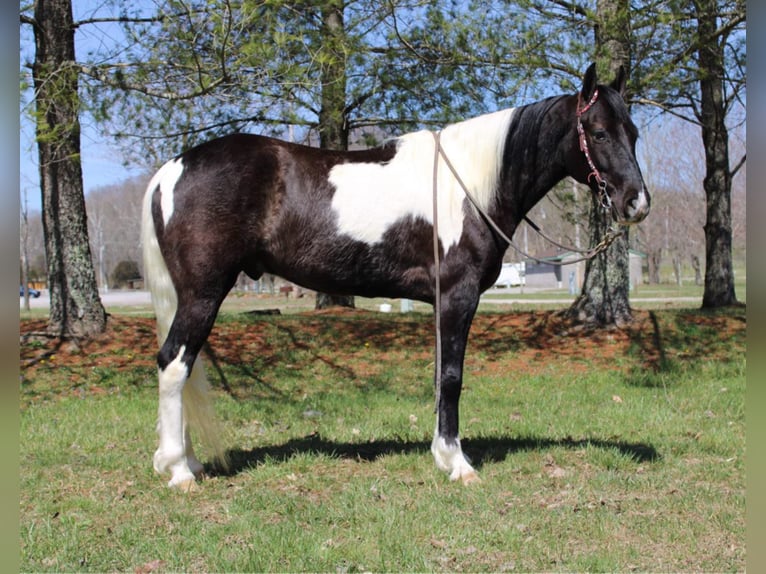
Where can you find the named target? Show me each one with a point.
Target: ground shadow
(481, 450)
(651, 349)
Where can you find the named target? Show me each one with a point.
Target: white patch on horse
(370, 198)
(167, 177)
(641, 206)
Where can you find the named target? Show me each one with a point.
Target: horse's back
(253, 203)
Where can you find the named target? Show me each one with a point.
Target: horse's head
(605, 154)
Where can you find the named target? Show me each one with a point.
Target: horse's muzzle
(635, 208)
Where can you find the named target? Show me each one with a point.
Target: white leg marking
(450, 459)
(172, 451)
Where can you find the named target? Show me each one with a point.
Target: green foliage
(214, 67)
(190, 70)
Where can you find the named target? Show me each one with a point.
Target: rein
(587, 254)
(437, 272)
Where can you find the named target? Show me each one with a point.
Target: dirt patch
(533, 338)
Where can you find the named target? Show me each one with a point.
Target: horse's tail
(198, 408)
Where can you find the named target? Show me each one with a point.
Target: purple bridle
(603, 195)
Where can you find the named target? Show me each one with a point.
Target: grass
(605, 451)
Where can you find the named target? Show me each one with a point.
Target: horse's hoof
(470, 478)
(184, 485)
(198, 470)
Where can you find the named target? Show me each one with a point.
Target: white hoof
(183, 483)
(450, 459)
(183, 471)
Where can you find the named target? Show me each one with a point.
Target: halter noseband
(603, 195)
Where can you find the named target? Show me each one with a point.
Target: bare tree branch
(669, 109)
(740, 163)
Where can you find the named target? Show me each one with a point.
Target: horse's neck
(534, 164)
(521, 189)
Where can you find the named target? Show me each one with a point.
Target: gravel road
(117, 297)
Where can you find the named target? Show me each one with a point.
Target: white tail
(199, 413)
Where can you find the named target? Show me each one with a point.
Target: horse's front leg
(456, 316)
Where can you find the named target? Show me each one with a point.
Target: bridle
(603, 194)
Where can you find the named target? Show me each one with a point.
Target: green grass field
(598, 451)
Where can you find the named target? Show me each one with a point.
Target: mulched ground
(534, 336)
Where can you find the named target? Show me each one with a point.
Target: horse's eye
(599, 135)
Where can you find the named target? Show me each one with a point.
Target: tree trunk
(655, 258)
(75, 308)
(604, 298)
(719, 275)
(24, 229)
(697, 271)
(333, 128)
(677, 269)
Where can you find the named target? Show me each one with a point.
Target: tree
(719, 275)
(675, 229)
(114, 216)
(330, 69)
(192, 70)
(687, 59)
(76, 309)
(333, 127)
(24, 249)
(604, 297)
(701, 79)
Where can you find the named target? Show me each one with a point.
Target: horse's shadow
(481, 450)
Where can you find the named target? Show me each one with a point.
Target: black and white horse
(361, 223)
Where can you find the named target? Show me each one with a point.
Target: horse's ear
(620, 82)
(589, 83)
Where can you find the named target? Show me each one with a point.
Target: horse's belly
(349, 267)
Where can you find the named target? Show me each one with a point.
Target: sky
(101, 165)
(101, 162)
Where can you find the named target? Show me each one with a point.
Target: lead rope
(607, 240)
(437, 277)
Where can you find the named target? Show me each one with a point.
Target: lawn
(610, 450)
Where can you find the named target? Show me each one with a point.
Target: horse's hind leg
(176, 360)
(170, 456)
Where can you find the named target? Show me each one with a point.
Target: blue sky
(101, 162)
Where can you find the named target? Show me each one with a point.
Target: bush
(125, 274)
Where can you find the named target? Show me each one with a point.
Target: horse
(362, 223)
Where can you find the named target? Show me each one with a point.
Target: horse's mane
(475, 149)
